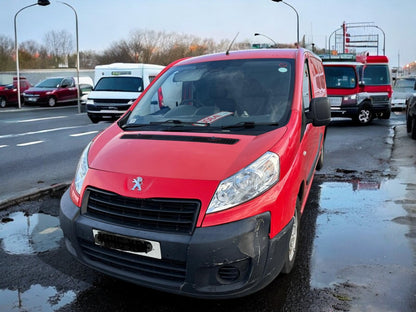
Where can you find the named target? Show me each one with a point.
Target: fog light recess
(228, 274)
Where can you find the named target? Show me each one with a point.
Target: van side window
(306, 88)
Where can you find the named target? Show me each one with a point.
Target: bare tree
(118, 52)
(6, 53)
(59, 44)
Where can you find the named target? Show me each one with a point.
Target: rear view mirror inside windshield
(189, 75)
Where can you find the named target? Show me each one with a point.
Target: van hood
(98, 95)
(190, 156)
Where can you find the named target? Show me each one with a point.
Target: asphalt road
(357, 249)
(40, 147)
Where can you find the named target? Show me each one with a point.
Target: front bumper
(107, 110)
(398, 103)
(225, 261)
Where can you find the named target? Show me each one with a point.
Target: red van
(199, 188)
(359, 86)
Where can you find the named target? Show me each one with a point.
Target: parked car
(403, 88)
(52, 91)
(8, 93)
(199, 188)
(411, 116)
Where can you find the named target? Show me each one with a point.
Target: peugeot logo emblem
(137, 184)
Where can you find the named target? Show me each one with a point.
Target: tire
(413, 129)
(365, 115)
(320, 162)
(94, 119)
(51, 101)
(2, 102)
(408, 123)
(386, 115)
(292, 250)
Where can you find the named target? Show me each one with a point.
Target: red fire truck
(359, 86)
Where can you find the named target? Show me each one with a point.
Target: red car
(52, 91)
(199, 188)
(8, 93)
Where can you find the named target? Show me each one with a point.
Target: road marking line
(1, 146)
(29, 143)
(40, 119)
(6, 136)
(82, 133)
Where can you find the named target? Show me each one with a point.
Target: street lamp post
(274, 42)
(76, 35)
(16, 48)
(297, 19)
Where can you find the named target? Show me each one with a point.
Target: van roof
(338, 64)
(244, 54)
(129, 65)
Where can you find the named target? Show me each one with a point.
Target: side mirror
(319, 112)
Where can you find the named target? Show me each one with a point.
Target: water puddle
(356, 231)
(22, 235)
(36, 298)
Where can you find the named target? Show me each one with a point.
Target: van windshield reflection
(222, 94)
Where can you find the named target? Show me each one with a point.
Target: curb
(57, 190)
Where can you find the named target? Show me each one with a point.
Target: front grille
(380, 99)
(164, 215)
(168, 270)
(110, 101)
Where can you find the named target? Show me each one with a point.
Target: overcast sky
(102, 22)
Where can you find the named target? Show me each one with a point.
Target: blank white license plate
(335, 101)
(133, 245)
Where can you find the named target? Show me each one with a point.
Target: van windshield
(375, 75)
(123, 84)
(219, 96)
(405, 84)
(340, 77)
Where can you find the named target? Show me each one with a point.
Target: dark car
(411, 116)
(8, 93)
(52, 91)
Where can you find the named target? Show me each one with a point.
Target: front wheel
(413, 129)
(320, 162)
(51, 101)
(293, 242)
(2, 102)
(408, 122)
(365, 116)
(94, 119)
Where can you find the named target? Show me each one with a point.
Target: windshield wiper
(177, 122)
(170, 122)
(132, 126)
(249, 124)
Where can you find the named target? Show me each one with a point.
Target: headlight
(350, 97)
(247, 184)
(82, 169)
(90, 101)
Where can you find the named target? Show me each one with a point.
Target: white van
(116, 87)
